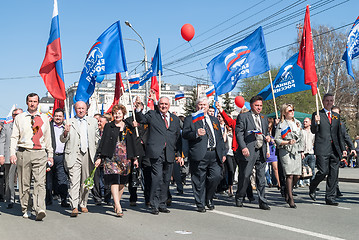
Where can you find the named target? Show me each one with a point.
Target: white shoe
(27, 214)
(40, 215)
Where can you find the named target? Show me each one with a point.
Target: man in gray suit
(80, 136)
(252, 150)
(10, 169)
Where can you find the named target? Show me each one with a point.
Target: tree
(190, 106)
(228, 104)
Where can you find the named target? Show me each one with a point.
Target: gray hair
(164, 97)
(202, 99)
(17, 109)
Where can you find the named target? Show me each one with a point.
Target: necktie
(165, 119)
(330, 118)
(259, 137)
(83, 136)
(209, 134)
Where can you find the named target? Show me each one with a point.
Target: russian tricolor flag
(197, 116)
(210, 91)
(51, 68)
(179, 95)
(285, 132)
(256, 132)
(134, 79)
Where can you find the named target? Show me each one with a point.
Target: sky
(25, 27)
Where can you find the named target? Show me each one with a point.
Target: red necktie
(165, 118)
(330, 118)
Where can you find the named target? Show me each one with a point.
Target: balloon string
(198, 59)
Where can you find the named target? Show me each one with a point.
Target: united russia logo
(237, 58)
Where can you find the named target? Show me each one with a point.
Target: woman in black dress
(112, 151)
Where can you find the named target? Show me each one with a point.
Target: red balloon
(239, 101)
(187, 32)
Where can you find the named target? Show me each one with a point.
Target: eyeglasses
(35, 129)
(291, 110)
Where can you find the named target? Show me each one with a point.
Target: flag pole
(317, 104)
(320, 98)
(271, 85)
(159, 83)
(133, 110)
(66, 111)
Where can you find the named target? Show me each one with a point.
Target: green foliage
(190, 106)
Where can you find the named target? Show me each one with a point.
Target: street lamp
(144, 49)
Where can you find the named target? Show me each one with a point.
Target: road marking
(297, 230)
(323, 205)
(344, 208)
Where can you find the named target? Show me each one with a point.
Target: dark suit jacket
(245, 123)
(198, 145)
(52, 131)
(346, 136)
(159, 136)
(137, 143)
(109, 139)
(325, 133)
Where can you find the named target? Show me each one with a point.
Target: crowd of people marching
(102, 154)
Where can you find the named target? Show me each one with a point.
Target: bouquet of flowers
(89, 181)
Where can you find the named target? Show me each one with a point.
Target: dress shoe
(65, 204)
(155, 211)
(10, 205)
(210, 205)
(84, 210)
(164, 210)
(40, 215)
(201, 210)
(133, 204)
(313, 196)
(239, 203)
(264, 206)
(251, 199)
(74, 212)
(332, 203)
(339, 194)
(293, 206)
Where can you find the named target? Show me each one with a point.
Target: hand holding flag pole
(133, 110)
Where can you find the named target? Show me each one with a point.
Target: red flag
(51, 68)
(119, 90)
(58, 104)
(154, 87)
(306, 55)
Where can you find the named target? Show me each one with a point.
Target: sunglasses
(291, 110)
(35, 129)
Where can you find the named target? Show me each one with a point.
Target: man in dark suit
(206, 155)
(57, 178)
(252, 151)
(328, 148)
(163, 146)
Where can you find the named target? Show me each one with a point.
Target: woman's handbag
(306, 172)
(119, 164)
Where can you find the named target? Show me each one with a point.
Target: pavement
(311, 220)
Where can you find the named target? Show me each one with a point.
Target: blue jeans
(309, 160)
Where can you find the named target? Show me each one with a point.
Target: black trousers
(100, 189)
(161, 171)
(57, 180)
(327, 166)
(206, 175)
(245, 171)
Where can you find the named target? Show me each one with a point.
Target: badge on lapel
(171, 119)
(335, 117)
(262, 116)
(215, 126)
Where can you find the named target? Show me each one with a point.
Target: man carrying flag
(244, 59)
(206, 154)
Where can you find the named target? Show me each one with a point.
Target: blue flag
(106, 56)
(244, 59)
(155, 68)
(290, 79)
(352, 47)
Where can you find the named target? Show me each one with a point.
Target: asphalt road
(311, 220)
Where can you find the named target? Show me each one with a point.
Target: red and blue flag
(285, 132)
(255, 132)
(179, 95)
(51, 69)
(197, 116)
(134, 79)
(210, 91)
